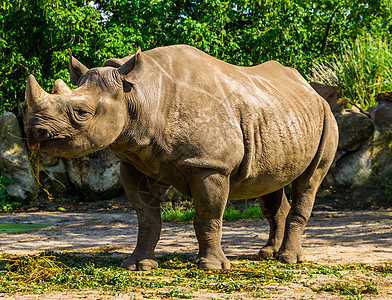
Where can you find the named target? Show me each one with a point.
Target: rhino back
(259, 124)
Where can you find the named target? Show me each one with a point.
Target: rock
(382, 160)
(357, 110)
(353, 170)
(96, 176)
(54, 177)
(355, 130)
(385, 97)
(381, 114)
(23, 112)
(368, 167)
(15, 159)
(332, 94)
(362, 179)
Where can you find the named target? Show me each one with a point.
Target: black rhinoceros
(216, 132)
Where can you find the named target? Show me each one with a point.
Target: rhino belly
(278, 149)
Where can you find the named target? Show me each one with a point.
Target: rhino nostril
(42, 134)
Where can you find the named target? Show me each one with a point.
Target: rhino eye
(127, 86)
(81, 113)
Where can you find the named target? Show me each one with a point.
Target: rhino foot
(289, 257)
(139, 265)
(267, 252)
(213, 263)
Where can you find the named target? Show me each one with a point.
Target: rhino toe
(289, 257)
(210, 264)
(267, 253)
(142, 265)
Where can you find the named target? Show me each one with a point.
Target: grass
(178, 276)
(170, 214)
(362, 70)
(10, 227)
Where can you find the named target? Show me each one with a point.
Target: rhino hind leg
(144, 194)
(210, 192)
(275, 208)
(304, 193)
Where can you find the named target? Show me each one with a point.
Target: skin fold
(176, 116)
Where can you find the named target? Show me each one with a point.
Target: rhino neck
(141, 126)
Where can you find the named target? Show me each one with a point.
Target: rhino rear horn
(61, 88)
(134, 64)
(77, 69)
(35, 95)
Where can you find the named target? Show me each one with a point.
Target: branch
(177, 10)
(324, 43)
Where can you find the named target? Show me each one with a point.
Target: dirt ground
(331, 237)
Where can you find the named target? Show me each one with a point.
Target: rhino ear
(116, 62)
(77, 69)
(113, 62)
(132, 70)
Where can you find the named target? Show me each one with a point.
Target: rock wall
(361, 176)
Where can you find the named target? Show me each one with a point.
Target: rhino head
(73, 123)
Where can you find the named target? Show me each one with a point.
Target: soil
(331, 237)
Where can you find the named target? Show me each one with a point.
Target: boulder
(96, 176)
(332, 94)
(354, 169)
(23, 112)
(14, 157)
(355, 130)
(363, 178)
(381, 114)
(54, 177)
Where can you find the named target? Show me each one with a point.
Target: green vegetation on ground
(362, 69)
(170, 214)
(11, 227)
(178, 276)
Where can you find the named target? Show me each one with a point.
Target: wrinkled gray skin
(177, 116)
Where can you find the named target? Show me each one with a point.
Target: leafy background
(35, 35)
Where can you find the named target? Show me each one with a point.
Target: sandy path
(329, 238)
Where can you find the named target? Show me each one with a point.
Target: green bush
(362, 69)
(5, 203)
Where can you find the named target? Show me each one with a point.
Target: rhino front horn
(61, 88)
(35, 95)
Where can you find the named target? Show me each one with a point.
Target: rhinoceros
(176, 116)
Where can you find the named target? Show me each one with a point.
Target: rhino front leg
(210, 192)
(143, 193)
(275, 208)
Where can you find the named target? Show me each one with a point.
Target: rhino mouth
(50, 144)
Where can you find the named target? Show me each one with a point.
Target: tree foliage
(362, 70)
(35, 35)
